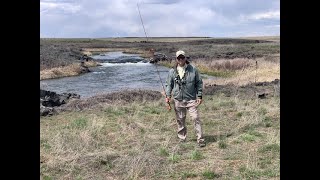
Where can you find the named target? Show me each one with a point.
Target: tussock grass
(64, 71)
(238, 71)
(140, 52)
(91, 63)
(259, 70)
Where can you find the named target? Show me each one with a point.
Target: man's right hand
(168, 100)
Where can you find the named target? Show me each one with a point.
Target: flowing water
(118, 72)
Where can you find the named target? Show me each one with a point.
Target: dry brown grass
(65, 71)
(152, 39)
(258, 70)
(91, 63)
(140, 52)
(221, 65)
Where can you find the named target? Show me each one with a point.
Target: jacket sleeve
(169, 83)
(198, 84)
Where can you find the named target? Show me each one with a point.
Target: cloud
(101, 18)
(57, 7)
(265, 15)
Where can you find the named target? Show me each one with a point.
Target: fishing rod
(152, 51)
(142, 22)
(164, 91)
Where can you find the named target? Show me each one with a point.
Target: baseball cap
(178, 53)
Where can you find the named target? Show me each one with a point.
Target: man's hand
(199, 101)
(168, 103)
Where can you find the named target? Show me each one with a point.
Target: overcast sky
(161, 18)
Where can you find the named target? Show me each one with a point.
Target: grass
(264, 71)
(209, 174)
(196, 155)
(57, 52)
(65, 71)
(238, 71)
(138, 141)
(131, 135)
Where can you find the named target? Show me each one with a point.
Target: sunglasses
(181, 57)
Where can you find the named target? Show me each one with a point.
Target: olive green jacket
(187, 88)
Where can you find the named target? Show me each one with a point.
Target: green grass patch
(248, 137)
(188, 175)
(262, 111)
(247, 173)
(222, 144)
(112, 111)
(163, 151)
(196, 155)
(209, 174)
(269, 148)
(239, 114)
(47, 178)
(216, 73)
(267, 121)
(79, 123)
(174, 158)
(250, 134)
(254, 133)
(44, 143)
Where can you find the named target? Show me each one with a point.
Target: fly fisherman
(185, 84)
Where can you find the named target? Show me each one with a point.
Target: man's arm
(198, 84)
(169, 84)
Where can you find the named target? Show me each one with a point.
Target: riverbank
(59, 56)
(73, 69)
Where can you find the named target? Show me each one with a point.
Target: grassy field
(131, 135)
(138, 141)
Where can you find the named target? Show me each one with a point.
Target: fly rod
(152, 51)
(142, 22)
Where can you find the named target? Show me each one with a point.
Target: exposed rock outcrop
(49, 100)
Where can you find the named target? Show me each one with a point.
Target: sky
(160, 18)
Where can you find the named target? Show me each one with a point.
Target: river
(118, 72)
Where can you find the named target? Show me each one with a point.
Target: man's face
(181, 59)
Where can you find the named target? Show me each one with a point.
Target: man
(185, 84)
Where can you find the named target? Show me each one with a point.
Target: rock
(49, 100)
(83, 68)
(46, 111)
(158, 57)
(261, 95)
